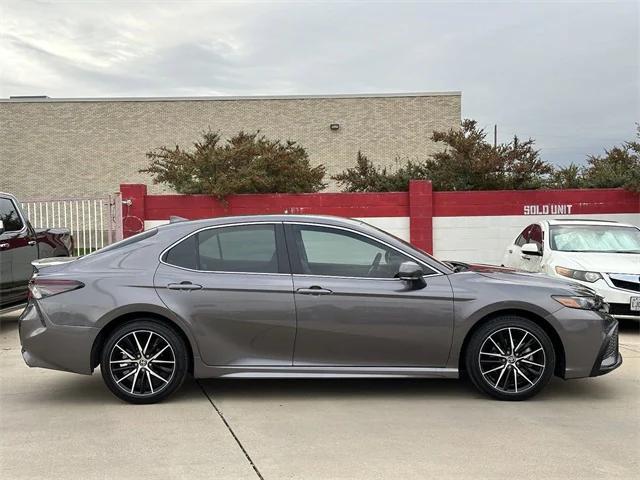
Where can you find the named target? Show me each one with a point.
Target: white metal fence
(94, 222)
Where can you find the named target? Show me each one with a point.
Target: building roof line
(43, 99)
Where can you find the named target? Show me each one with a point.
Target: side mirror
(1, 227)
(531, 249)
(410, 272)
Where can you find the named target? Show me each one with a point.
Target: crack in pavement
(233, 434)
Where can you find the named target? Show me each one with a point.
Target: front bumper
(609, 357)
(589, 341)
(58, 347)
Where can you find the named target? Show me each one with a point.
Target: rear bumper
(58, 347)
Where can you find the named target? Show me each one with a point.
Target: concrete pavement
(60, 425)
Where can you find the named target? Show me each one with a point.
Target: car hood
(599, 262)
(538, 280)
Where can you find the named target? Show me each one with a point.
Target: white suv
(602, 255)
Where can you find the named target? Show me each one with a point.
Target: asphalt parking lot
(57, 425)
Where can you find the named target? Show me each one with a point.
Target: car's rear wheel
(144, 361)
(510, 358)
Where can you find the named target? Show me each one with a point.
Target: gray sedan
(305, 296)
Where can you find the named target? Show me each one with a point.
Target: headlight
(578, 274)
(583, 303)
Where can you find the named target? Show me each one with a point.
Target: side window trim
(296, 265)
(281, 250)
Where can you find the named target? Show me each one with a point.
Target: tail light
(42, 287)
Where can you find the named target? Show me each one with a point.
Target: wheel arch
(113, 324)
(558, 346)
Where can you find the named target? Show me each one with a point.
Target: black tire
(496, 371)
(148, 378)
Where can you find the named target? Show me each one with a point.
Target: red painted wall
(159, 207)
(513, 202)
(420, 204)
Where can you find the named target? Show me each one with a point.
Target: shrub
(367, 177)
(246, 163)
(468, 162)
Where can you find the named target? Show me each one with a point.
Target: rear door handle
(184, 286)
(314, 290)
(31, 242)
(4, 245)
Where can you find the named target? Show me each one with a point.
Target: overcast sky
(566, 74)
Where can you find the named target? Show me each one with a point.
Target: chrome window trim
(287, 222)
(211, 227)
(337, 227)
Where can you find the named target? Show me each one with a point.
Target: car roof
(321, 219)
(5, 194)
(586, 221)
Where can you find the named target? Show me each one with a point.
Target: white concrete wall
(485, 239)
(470, 239)
(398, 226)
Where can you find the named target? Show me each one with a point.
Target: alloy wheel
(142, 363)
(512, 360)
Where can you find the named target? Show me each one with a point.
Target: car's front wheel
(144, 361)
(510, 358)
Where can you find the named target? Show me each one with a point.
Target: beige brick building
(82, 147)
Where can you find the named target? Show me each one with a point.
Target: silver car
(305, 296)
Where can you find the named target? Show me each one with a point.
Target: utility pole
(495, 135)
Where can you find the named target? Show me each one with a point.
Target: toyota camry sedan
(305, 296)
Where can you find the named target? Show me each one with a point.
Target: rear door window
(242, 248)
(248, 248)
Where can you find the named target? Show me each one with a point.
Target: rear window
(127, 241)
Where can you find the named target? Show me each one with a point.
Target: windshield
(595, 238)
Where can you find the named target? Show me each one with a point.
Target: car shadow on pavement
(628, 326)
(381, 389)
(80, 389)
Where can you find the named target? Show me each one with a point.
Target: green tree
(570, 176)
(246, 163)
(618, 167)
(467, 162)
(367, 177)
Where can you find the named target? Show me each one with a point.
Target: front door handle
(184, 286)
(31, 242)
(314, 290)
(4, 245)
